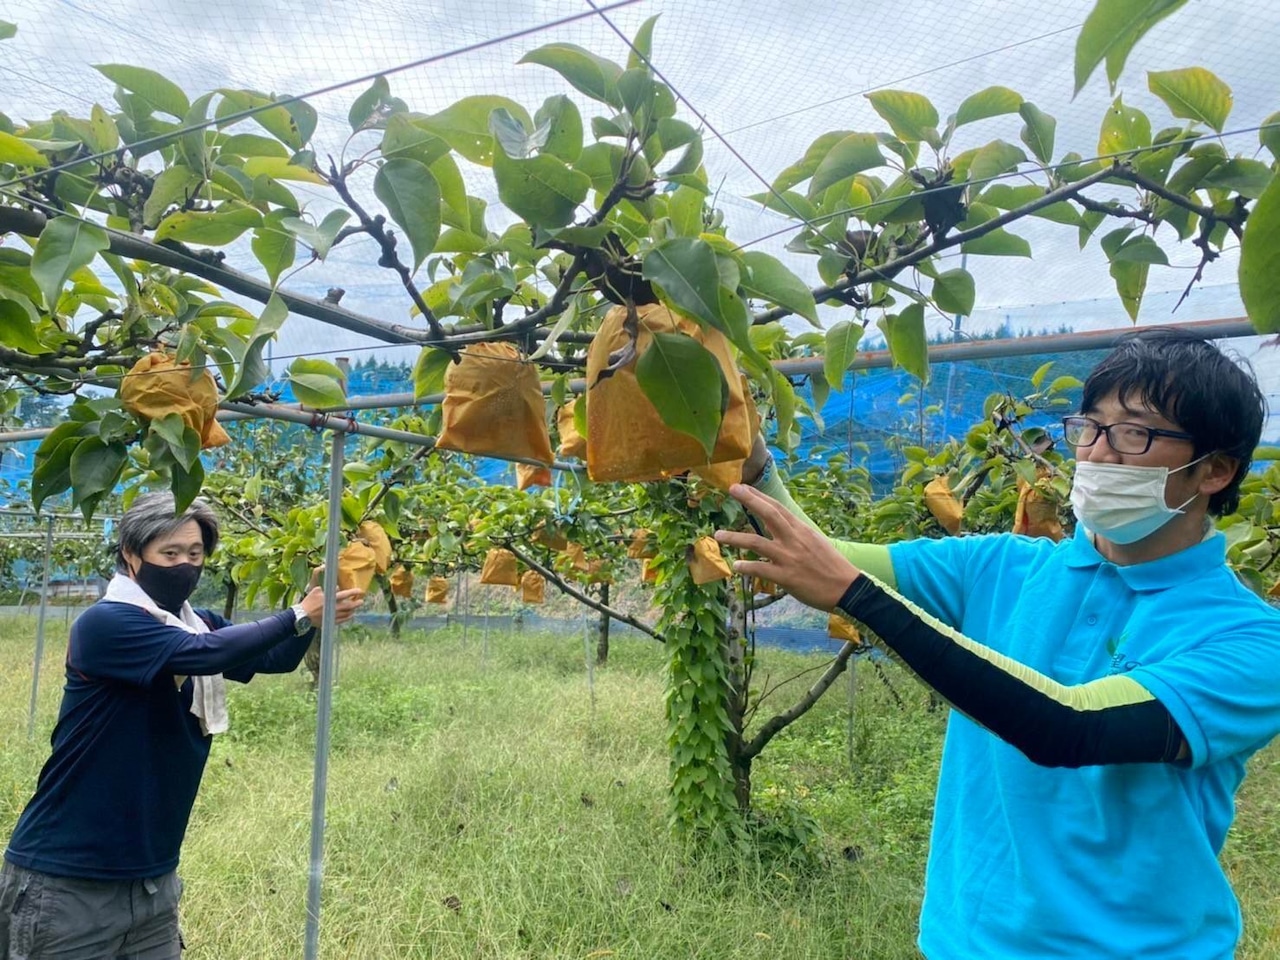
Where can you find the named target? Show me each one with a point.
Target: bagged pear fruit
(626, 438)
(500, 568)
(156, 386)
(1036, 514)
(376, 538)
(572, 443)
(493, 406)
(942, 503)
(533, 587)
(706, 563)
(401, 582)
(528, 476)
(357, 564)
(838, 628)
(437, 590)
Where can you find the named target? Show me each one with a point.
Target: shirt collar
(1160, 574)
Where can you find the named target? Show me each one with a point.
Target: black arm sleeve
(1107, 721)
(224, 649)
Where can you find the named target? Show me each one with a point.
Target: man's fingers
(767, 509)
(756, 568)
(741, 540)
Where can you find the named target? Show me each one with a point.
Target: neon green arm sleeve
(870, 557)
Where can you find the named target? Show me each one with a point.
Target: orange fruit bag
(493, 405)
(155, 386)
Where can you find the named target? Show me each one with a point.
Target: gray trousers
(64, 918)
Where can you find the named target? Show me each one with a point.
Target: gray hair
(152, 515)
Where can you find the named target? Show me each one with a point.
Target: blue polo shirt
(1100, 862)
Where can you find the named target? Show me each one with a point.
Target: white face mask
(1123, 503)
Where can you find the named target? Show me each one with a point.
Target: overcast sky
(768, 77)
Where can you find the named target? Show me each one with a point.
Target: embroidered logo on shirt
(1120, 663)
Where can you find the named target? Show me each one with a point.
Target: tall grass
(482, 807)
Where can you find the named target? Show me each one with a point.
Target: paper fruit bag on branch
(838, 628)
(572, 443)
(500, 568)
(493, 405)
(372, 534)
(357, 564)
(528, 476)
(942, 503)
(1037, 512)
(401, 582)
(533, 587)
(437, 590)
(706, 563)
(626, 438)
(156, 386)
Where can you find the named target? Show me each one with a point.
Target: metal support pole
(324, 710)
(591, 663)
(851, 667)
(44, 607)
(465, 590)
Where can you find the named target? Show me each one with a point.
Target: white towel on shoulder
(209, 694)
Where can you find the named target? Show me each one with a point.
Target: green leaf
(1038, 131)
(513, 137)
(215, 229)
(1131, 283)
(1260, 262)
(685, 384)
(995, 158)
(412, 198)
(804, 168)
(784, 406)
(1111, 30)
(17, 323)
(684, 208)
(587, 73)
(910, 116)
(364, 105)
(274, 247)
(7, 29)
(766, 278)
(20, 153)
(316, 383)
(1249, 178)
(685, 269)
(841, 349)
(280, 169)
(185, 484)
(403, 137)
(1124, 129)
(252, 371)
(991, 102)
(563, 122)
(95, 467)
(65, 245)
(906, 337)
(953, 292)
(1193, 94)
(174, 186)
(998, 243)
(465, 125)
(1141, 249)
(183, 441)
(1042, 371)
(318, 238)
(642, 45)
(1269, 135)
(155, 91)
(542, 190)
(850, 156)
(429, 371)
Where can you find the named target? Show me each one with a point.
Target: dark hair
(1193, 384)
(152, 516)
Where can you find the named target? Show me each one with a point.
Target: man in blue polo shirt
(1108, 690)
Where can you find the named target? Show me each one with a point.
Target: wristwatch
(301, 622)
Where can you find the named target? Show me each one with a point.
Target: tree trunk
(735, 658)
(229, 607)
(395, 618)
(602, 629)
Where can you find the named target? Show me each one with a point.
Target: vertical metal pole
(591, 663)
(328, 648)
(484, 643)
(466, 605)
(851, 668)
(44, 607)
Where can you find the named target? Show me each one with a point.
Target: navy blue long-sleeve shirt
(113, 800)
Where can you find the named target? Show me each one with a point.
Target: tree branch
(783, 720)
(1161, 191)
(564, 587)
(1113, 209)
(376, 228)
(898, 264)
(207, 264)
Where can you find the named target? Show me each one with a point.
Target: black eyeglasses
(1132, 438)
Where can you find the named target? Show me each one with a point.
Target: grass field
(483, 807)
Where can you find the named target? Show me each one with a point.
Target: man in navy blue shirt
(91, 868)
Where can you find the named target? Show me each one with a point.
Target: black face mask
(169, 587)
